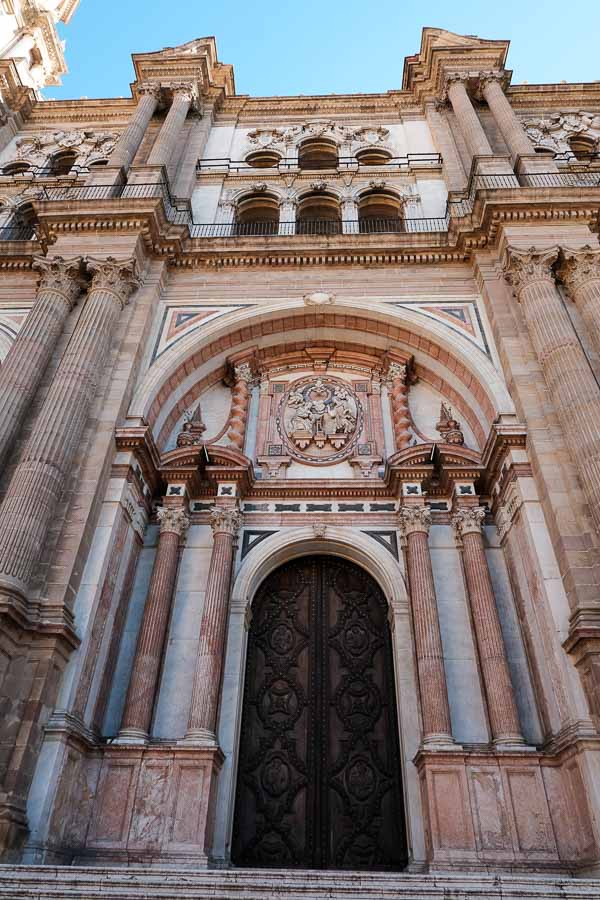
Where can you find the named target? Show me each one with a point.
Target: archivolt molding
(387, 326)
(292, 543)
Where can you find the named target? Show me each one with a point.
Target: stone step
(83, 883)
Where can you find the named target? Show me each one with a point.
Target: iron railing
(17, 232)
(317, 227)
(224, 165)
(178, 211)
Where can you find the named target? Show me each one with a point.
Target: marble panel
(467, 710)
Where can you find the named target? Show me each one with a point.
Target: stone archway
(319, 776)
(276, 550)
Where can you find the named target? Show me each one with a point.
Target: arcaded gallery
(300, 483)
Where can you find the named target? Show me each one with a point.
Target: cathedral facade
(300, 449)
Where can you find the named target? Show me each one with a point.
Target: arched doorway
(319, 777)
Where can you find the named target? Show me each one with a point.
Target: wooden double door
(319, 777)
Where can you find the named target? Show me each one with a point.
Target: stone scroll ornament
(320, 420)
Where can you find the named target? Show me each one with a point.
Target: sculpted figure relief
(319, 418)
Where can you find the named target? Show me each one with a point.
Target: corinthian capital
(183, 90)
(149, 87)
(115, 275)
(486, 78)
(173, 519)
(468, 521)
(525, 267)
(243, 372)
(413, 519)
(225, 520)
(397, 372)
(579, 266)
(61, 275)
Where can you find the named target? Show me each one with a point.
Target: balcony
(406, 163)
(178, 212)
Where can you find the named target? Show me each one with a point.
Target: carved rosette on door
(319, 783)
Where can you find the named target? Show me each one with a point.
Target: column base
(199, 737)
(513, 743)
(440, 742)
(135, 736)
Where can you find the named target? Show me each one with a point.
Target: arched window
(263, 159)
(97, 163)
(16, 168)
(373, 156)
(583, 148)
(318, 154)
(61, 163)
(257, 214)
(379, 212)
(319, 213)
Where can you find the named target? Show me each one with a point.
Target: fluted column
(502, 709)
(45, 465)
(580, 273)
(21, 372)
(130, 139)
(139, 704)
(398, 375)
(240, 402)
(492, 90)
(573, 388)
(467, 118)
(414, 524)
(202, 723)
(170, 133)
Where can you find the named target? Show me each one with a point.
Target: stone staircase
(74, 883)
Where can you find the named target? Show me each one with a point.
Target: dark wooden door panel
(319, 768)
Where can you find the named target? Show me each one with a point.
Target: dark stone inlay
(382, 507)
(256, 507)
(287, 507)
(252, 538)
(351, 507)
(387, 539)
(318, 507)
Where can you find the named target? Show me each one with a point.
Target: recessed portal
(319, 778)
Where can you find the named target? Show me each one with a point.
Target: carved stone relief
(273, 138)
(320, 419)
(89, 145)
(555, 129)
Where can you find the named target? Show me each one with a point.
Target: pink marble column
(468, 120)
(170, 133)
(21, 372)
(202, 723)
(573, 388)
(502, 710)
(130, 139)
(139, 704)
(580, 273)
(398, 376)
(240, 402)
(47, 459)
(414, 524)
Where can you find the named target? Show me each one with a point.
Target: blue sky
(322, 46)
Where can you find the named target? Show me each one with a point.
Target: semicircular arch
(436, 346)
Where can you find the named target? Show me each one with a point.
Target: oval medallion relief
(320, 420)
